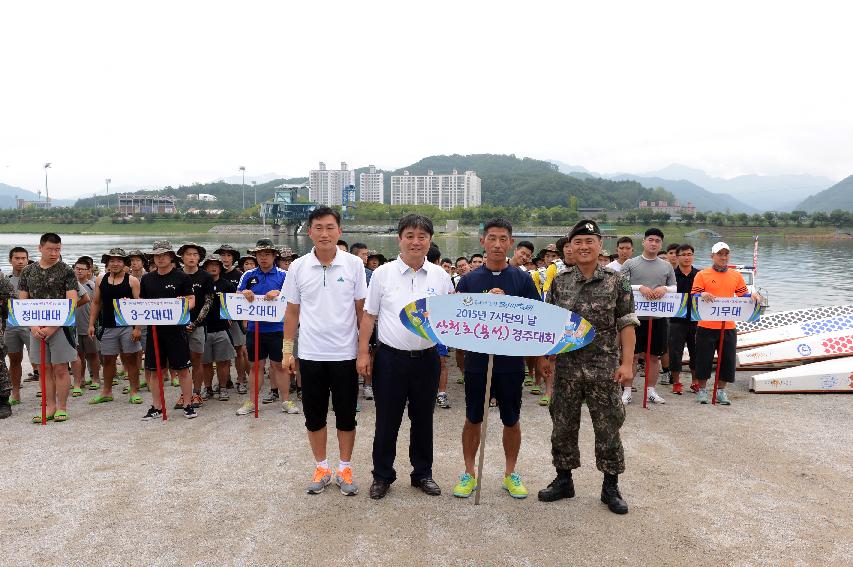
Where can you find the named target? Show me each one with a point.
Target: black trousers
(398, 378)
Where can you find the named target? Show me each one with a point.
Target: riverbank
(757, 483)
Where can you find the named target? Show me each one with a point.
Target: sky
(155, 93)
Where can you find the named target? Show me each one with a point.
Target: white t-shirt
(615, 266)
(328, 329)
(393, 286)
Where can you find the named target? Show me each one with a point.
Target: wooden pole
(485, 428)
(257, 367)
(719, 361)
(43, 377)
(159, 370)
(648, 365)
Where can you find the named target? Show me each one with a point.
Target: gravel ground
(766, 481)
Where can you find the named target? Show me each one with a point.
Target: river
(795, 273)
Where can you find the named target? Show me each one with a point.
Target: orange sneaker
(676, 388)
(321, 479)
(180, 403)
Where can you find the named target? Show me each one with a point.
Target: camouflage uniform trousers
(5, 379)
(603, 398)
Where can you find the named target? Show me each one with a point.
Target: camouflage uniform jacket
(47, 283)
(607, 302)
(7, 292)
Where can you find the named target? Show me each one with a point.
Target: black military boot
(610, 495)
(561, 487)
(5, 407)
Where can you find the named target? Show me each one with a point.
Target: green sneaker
(460, 380)
(466, 485)
(76, 392)
(545, 401)
(702, 396)
(143, 385)
(125, 390)
(135, 399)
(100, 399)
(13, 401)
(723, 398)
(536, 390)
(176, 383)
(513, 485)
(528, 381)
(95, 386)
(88, 382)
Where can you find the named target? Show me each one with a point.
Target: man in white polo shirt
(406, 367)
(325, 291)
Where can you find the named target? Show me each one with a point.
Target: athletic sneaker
(368, 392)
(460, 380)
(196, 401)
(694, 387)
(466, 485)
(626, 396)
(676, 388)
(442, 400)
(153, 413)
(179, 404)
(321, 479)
(241, 388)
(702, 396)
(189, 412)
(247, 408)
(270, 397)
(654, 397)
(215, 389)
(289, 407)
(723, 398)
(206, 393)
(343, 478)
(223, 395)
(665, 378)
(176, 383)
(512, 484)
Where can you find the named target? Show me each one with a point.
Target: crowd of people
(342, 338)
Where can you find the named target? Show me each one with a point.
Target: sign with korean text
(670, 305)
(41, 313)
(167, 311)
(236, 307)
(726, 309)
(497, 324)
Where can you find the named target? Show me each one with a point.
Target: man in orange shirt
(717, 281)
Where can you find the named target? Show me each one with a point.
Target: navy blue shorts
(506, 388)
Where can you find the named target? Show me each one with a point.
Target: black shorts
(658, 346)
(319, 378)
(707, 342)
(506, 389)
(174, 347)
(269, 345)
(681, 335)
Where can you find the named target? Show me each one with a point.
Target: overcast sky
(156, 93)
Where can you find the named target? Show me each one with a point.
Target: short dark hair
(623, 240)
(446, 261)
(654, 232)
(357, 246)
(51, 237)
(456, 263)
(433, 254)
(476, 255)
(18, 250)
(673, 246)
(661, 252)
(323, 211)
(561, 242)
(497, 222)
(682, 247)
(342, 243)
(525, 244)
(417, 222)
(82, 262)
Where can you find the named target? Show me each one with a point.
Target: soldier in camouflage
(594, 373)
(6, 293)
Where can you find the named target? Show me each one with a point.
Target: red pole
(43, 384)
(648, 365)
(719, 361)
(257, 367)
(159, 370)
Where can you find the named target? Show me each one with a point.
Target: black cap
(585, 227)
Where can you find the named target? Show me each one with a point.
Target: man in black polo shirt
(495, 275)
(167, 281)
(192, 255)
(682, 331)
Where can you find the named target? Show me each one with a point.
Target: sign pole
(159, 370)
(257, 366)
(485, 428)
(43, 383)
(719, 361)
(648, 365)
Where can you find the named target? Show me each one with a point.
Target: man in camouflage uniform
(6, 293)
(594, 373)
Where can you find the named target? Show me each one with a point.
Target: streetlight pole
(108, 191)
(46, 194)
(255, 187)
(243, 169)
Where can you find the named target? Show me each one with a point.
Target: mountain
(8, 193)
(511, 181)
(575, 170)
(763, 192)
(839, 196)
(688, 192)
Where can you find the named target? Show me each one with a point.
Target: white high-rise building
(372, 186)
(325, 186)
(443, 191)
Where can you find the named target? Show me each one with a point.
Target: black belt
(409, 353)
